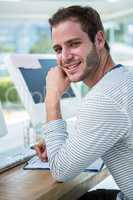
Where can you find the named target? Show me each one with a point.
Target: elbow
(62, 175)
(58, 179)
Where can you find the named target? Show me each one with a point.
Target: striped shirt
(104, 128)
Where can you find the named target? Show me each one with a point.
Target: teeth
(71, 65)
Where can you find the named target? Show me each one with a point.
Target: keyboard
(15, 157)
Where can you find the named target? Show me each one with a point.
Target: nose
(66, 55)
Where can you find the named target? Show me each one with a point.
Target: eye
(57, 50)
(75, 44)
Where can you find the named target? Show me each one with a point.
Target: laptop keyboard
(14, 157)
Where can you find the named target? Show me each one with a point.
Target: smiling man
(105, 118)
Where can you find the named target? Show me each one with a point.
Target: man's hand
(41, 152)
(56, 82)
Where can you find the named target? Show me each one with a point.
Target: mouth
(72, 67)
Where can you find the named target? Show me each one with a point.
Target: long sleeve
(100, 124)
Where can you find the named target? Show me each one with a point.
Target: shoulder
(113, 85)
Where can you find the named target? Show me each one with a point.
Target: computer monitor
(28, 72)
(3, 128)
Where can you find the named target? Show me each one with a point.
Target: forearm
(53, 106)
(56, 84)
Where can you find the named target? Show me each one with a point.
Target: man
(105, 118)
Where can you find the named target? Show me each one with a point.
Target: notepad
(36, 164)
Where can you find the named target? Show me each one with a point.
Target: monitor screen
(28, 72)
(38, 88)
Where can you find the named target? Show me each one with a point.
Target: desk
(19, 184)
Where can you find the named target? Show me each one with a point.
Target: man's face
(76, 54)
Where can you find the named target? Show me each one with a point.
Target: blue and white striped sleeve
(100, 124)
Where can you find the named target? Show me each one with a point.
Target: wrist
(52, 100)
(52, 103)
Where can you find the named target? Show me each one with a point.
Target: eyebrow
(67, 42)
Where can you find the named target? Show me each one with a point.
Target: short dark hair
(88, 18)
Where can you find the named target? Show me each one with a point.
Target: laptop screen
(36, 80)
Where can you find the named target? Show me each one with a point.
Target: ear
(100, 40)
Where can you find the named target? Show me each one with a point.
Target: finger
(38, 153)
(44, 156)
(40, 146)
(39, 150)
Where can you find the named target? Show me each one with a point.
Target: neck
(106, 63)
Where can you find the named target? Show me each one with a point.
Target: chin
(74, 78)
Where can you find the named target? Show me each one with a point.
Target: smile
(72, 66)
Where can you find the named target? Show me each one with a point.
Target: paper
(35, 163)
(96, 166)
